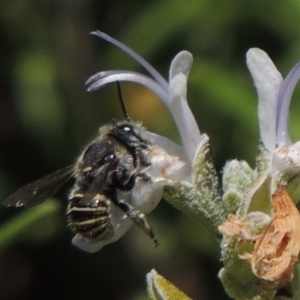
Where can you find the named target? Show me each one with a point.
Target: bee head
(130, 130)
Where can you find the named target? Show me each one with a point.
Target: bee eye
(127, 128)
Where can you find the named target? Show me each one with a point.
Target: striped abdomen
(92, 220)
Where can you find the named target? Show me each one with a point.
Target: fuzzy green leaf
(161, 289)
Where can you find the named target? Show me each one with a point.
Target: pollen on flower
(276, 251)
(234, 227)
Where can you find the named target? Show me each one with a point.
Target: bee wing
(40, 190)
(99, 184)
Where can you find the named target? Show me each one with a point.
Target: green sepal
(237, 176)
(160, 288)
(201, 197)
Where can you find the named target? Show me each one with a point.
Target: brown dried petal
(276, 251)
(233, 227)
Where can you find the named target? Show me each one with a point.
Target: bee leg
(143, 176)
(138, 217)
(118, 180)
(140, 155)
(123, 180)
(137, 176)
(141, 220)
(144, 158)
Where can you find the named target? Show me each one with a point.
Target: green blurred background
(47, 118)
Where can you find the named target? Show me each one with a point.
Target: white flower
(278, 162)
(267, 81)
(275, 96)
(264, 199)
(172, 93)
(169, 159)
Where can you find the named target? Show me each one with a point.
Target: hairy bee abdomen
(91, 221)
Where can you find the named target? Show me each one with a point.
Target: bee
(106, 173)
(110, 178)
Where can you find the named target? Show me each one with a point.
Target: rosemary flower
(265, 226)
(174, 162)
(172, 93)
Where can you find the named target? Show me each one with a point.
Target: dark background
(47, 118)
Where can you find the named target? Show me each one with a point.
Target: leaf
(14, 228)
(161, 289)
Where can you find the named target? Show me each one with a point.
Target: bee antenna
(123, 102)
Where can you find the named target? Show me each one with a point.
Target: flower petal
(101, 79)
(267, 80)
(284, 100)
(160, 80)
(166, 144)
(183, 117)
(181, 63)
(276, 250)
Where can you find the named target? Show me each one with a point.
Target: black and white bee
(119, 179)
(106, 173)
